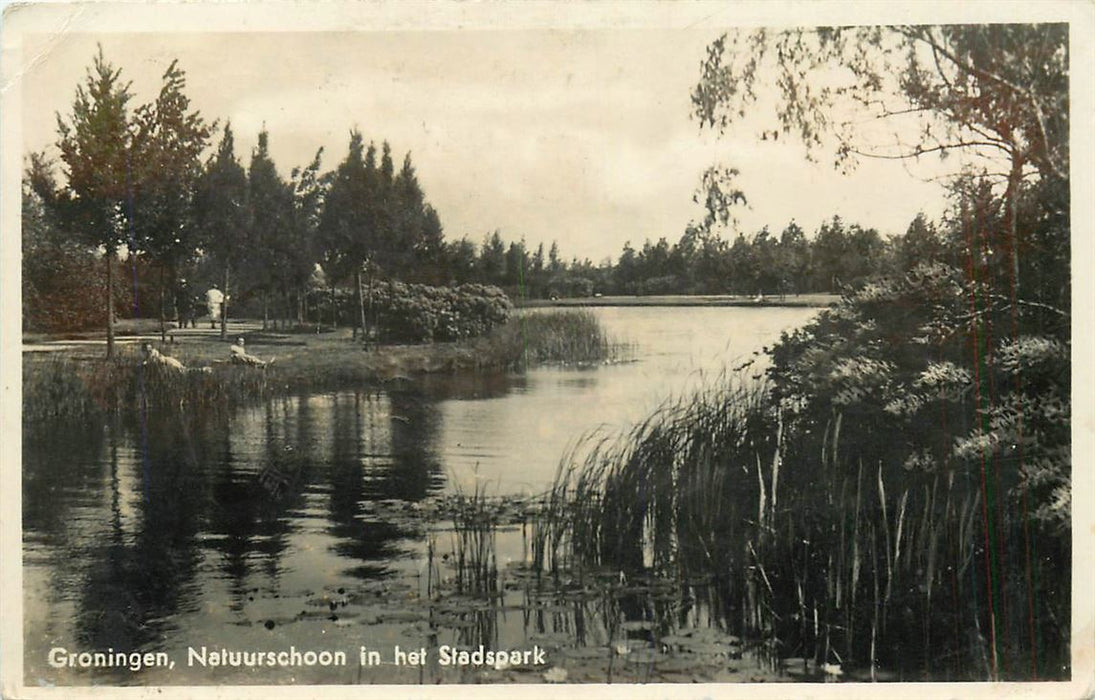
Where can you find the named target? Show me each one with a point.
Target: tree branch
(926, 36)
(924, 151)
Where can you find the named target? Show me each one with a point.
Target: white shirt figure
(239, 355)
(214, 298)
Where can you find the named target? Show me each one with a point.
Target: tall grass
(556, 337)
(814, 555)
(59, 389)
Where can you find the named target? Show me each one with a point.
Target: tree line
(136, 181)
(140, 181)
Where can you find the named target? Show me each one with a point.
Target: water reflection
(263, 527)
(140, 524)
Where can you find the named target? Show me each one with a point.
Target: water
(293, 522)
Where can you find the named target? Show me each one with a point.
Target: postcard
(675, 349)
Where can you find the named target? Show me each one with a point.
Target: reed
(474, 521)
(815, 552)
(573, 337)
(60, 389)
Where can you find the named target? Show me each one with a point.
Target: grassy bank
(77, 384)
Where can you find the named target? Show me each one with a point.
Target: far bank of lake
(789, 300)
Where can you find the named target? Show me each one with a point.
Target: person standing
(214, 300)
(184, 304)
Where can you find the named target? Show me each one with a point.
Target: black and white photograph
(627, 345)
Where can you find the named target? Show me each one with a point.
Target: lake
(293, 522)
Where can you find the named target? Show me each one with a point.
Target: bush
(64, 289)
(418, 313)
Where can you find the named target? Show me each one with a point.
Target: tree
(462, 260)
(555, 263)
(920, 244)
(418, 236)
(270, 200)
(995, 91)
(516, 267)
(765, 262)
(828, 254)
(793, 258)
(995, 95)
(63, 286)
(626, 270)
(492, 259)
(168, 145)
(222, 214)
(391, 248)
(95, 143)
(349, 225)
(307, 191)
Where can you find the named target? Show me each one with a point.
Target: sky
(579, 136)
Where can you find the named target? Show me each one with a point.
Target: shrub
(418, 313)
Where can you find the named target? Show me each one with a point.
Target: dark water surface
(292, 523)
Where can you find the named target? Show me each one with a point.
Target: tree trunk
(360, 305)
(334, 310)
(110, 302)
(265, 310)
(1015, 180)
(173, 298)
(224, 306)
(163, 302)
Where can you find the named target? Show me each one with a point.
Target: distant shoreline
(802, 300)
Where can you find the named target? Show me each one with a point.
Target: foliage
(420, 313)
(900, 495)
(167, 145)
(63, 283)
(996, 87)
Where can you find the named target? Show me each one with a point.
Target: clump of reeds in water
(474, 518)
(655, 495)
(815, 554)
(554, 337)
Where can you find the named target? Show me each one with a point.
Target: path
(234, 328)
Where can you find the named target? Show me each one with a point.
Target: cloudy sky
(576, 135)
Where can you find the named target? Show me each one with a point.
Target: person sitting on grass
(156, 359)
(239, 356)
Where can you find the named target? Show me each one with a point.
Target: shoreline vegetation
(72, 383)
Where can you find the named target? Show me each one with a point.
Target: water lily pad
(708, 649)
(678, 663)
(587, 652)
(555, 674)
(551, 639)
(454, 622)
(646, 656)
(401, 616)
